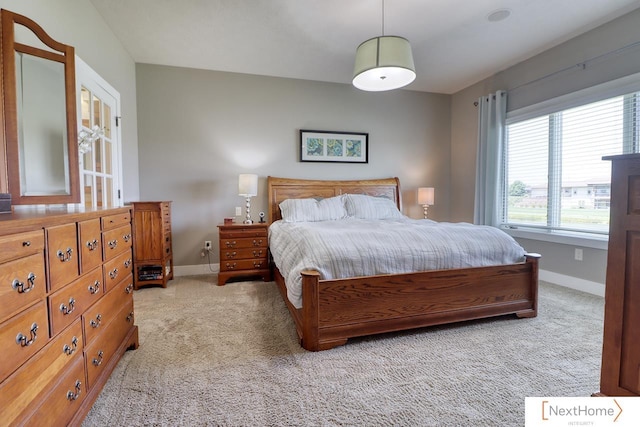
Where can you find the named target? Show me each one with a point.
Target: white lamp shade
(425, 196)
(383, 63)
(248, 185)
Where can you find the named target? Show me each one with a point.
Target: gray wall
(610, 37)
(78, 23)
(199, 129)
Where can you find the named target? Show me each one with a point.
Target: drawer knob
(74, 395)
(70, 349)
(68, 309)
(92, 244)
(126, 237)
(65, 256)
(113, 243)
(113, 273)
(18, 286)
(130, 317)
(257, 253)
(257, 242)
(129, 288)
(127, 263)
(230, 244)
(26, 243)
(23, 340)
(97, 361)
(231, 266)
(257, 264)
(232, 254)
(95, 323)
(93, 289)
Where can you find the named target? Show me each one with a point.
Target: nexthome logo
(582, 411)
(595, 408)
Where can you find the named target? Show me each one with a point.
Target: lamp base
(425, 210)
(248, 219)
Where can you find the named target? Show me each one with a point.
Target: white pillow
(299, 210)
(370, 207)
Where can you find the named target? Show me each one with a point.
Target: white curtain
(492, 111)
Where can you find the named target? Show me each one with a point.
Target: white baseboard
(196, 270)
(588, 286)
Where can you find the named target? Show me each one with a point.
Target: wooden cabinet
(152, 251)
(620, 375)
(244, 252)
(62, 329)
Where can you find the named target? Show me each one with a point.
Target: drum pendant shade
(383, 63)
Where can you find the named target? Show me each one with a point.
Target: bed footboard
(336, 310)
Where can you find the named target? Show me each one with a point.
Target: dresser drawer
(248, 264)
(253, 253)
(114, 221)
(101, 314)
(34, 380)
(239, 231)
(165, 211)
(22, 336)
(116, 241)
(58, 407)
(117, 269)
(166, 248)
(20, 245)
(22, 282)
(105, 345)
(241, 243)
(62, 255)
(90, 242)
(69, 303)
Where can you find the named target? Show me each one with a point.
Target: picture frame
(331, 146)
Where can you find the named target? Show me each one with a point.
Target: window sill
(565, 238)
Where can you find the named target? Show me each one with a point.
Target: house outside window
(555, 178)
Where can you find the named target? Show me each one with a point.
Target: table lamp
(425, 197)
(248, 187)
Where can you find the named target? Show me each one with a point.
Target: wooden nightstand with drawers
(243, 251)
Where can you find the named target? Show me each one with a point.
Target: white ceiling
(454, 44)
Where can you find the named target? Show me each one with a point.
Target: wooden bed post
(533, 259)
(310, 321)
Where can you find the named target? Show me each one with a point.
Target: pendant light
(383, 63)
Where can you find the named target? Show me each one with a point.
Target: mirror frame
(10, 174)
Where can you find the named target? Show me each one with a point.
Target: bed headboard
(280, 189)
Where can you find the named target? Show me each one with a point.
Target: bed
(333, 310)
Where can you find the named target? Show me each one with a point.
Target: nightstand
(243, 251)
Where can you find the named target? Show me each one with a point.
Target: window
(555, 178)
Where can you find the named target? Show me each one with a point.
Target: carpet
(229, 356)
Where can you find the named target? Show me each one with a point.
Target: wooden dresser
(152, 250)
(244, 251)
(66, 311)
(620, 375)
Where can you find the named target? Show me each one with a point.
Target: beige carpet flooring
(229, 356)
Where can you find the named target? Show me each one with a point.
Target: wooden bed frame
(335, 310)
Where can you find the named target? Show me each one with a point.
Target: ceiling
(454, 43)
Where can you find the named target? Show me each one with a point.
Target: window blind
(555, 176)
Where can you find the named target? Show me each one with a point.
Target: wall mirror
(40, 138)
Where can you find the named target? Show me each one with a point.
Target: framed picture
(328, 146)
